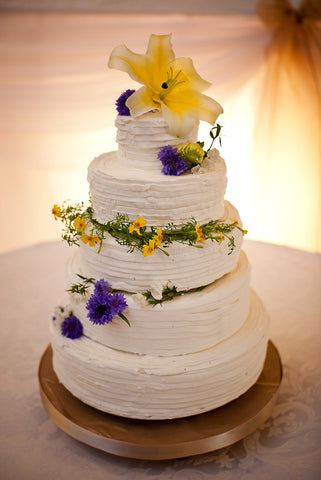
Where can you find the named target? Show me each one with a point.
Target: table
(288, 446)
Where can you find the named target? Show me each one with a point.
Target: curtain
(286, 163)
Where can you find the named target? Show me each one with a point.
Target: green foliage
(215, 133)
(81, 287)
(68, 214)
(118, 228)
(168, 294)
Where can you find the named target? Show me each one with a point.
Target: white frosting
(186, 267)
(156, 387)
(186, 324)
(159, 198)
(141, 138)
(183, 357)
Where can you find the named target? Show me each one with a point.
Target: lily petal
(208, 109)
(160, 53)
(196, 82)
(141, 102)
(195, 104)
(179, 124)
(135, 64)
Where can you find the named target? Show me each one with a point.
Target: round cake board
(161, 439)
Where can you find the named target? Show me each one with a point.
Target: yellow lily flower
(171, 85)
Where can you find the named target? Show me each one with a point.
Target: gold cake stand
(161, 439)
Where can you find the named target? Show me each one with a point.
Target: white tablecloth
(288, 446)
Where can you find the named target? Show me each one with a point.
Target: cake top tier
(169, 85)
(141, 139)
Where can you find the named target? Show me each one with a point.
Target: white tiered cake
(197, 337)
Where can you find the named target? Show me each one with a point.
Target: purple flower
(121, 103)
(71, 327)
(103, 304)
(99, 310)
(102, 287)
(172, 162)
(117, 303)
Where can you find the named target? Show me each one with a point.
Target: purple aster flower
(172, 162)
(117, 303)
(71, 327)
(102, 287)
(99, 310)
(121, 103)
(103, 305)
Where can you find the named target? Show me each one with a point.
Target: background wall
(57, 110)
(128, 6)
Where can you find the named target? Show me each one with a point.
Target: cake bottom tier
(156, 388)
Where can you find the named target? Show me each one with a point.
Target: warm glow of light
(58, 113)
(237, 134)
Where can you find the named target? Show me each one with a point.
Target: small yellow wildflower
(200, 234)
(159, 237)
(140, 222)
(234, 221)
(221, 238)
(91, 239)
(80, 224)
(244, 232)
(149, 249)
(56, 211)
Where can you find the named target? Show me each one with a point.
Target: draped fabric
(286, 162)
(57, 111)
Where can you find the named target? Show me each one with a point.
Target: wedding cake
(159, 320)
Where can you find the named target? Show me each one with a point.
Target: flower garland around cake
(80, 225)
(157, 294)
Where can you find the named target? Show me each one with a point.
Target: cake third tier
(184, 266)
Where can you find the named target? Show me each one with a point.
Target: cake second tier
(159, 198)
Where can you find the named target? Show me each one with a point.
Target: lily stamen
(170, 83)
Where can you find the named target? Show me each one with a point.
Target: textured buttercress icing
(160, 199)
(204, 347)
(140, 139)
(186, 267)
(181, 357)
(190, 323)
(157, 387)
